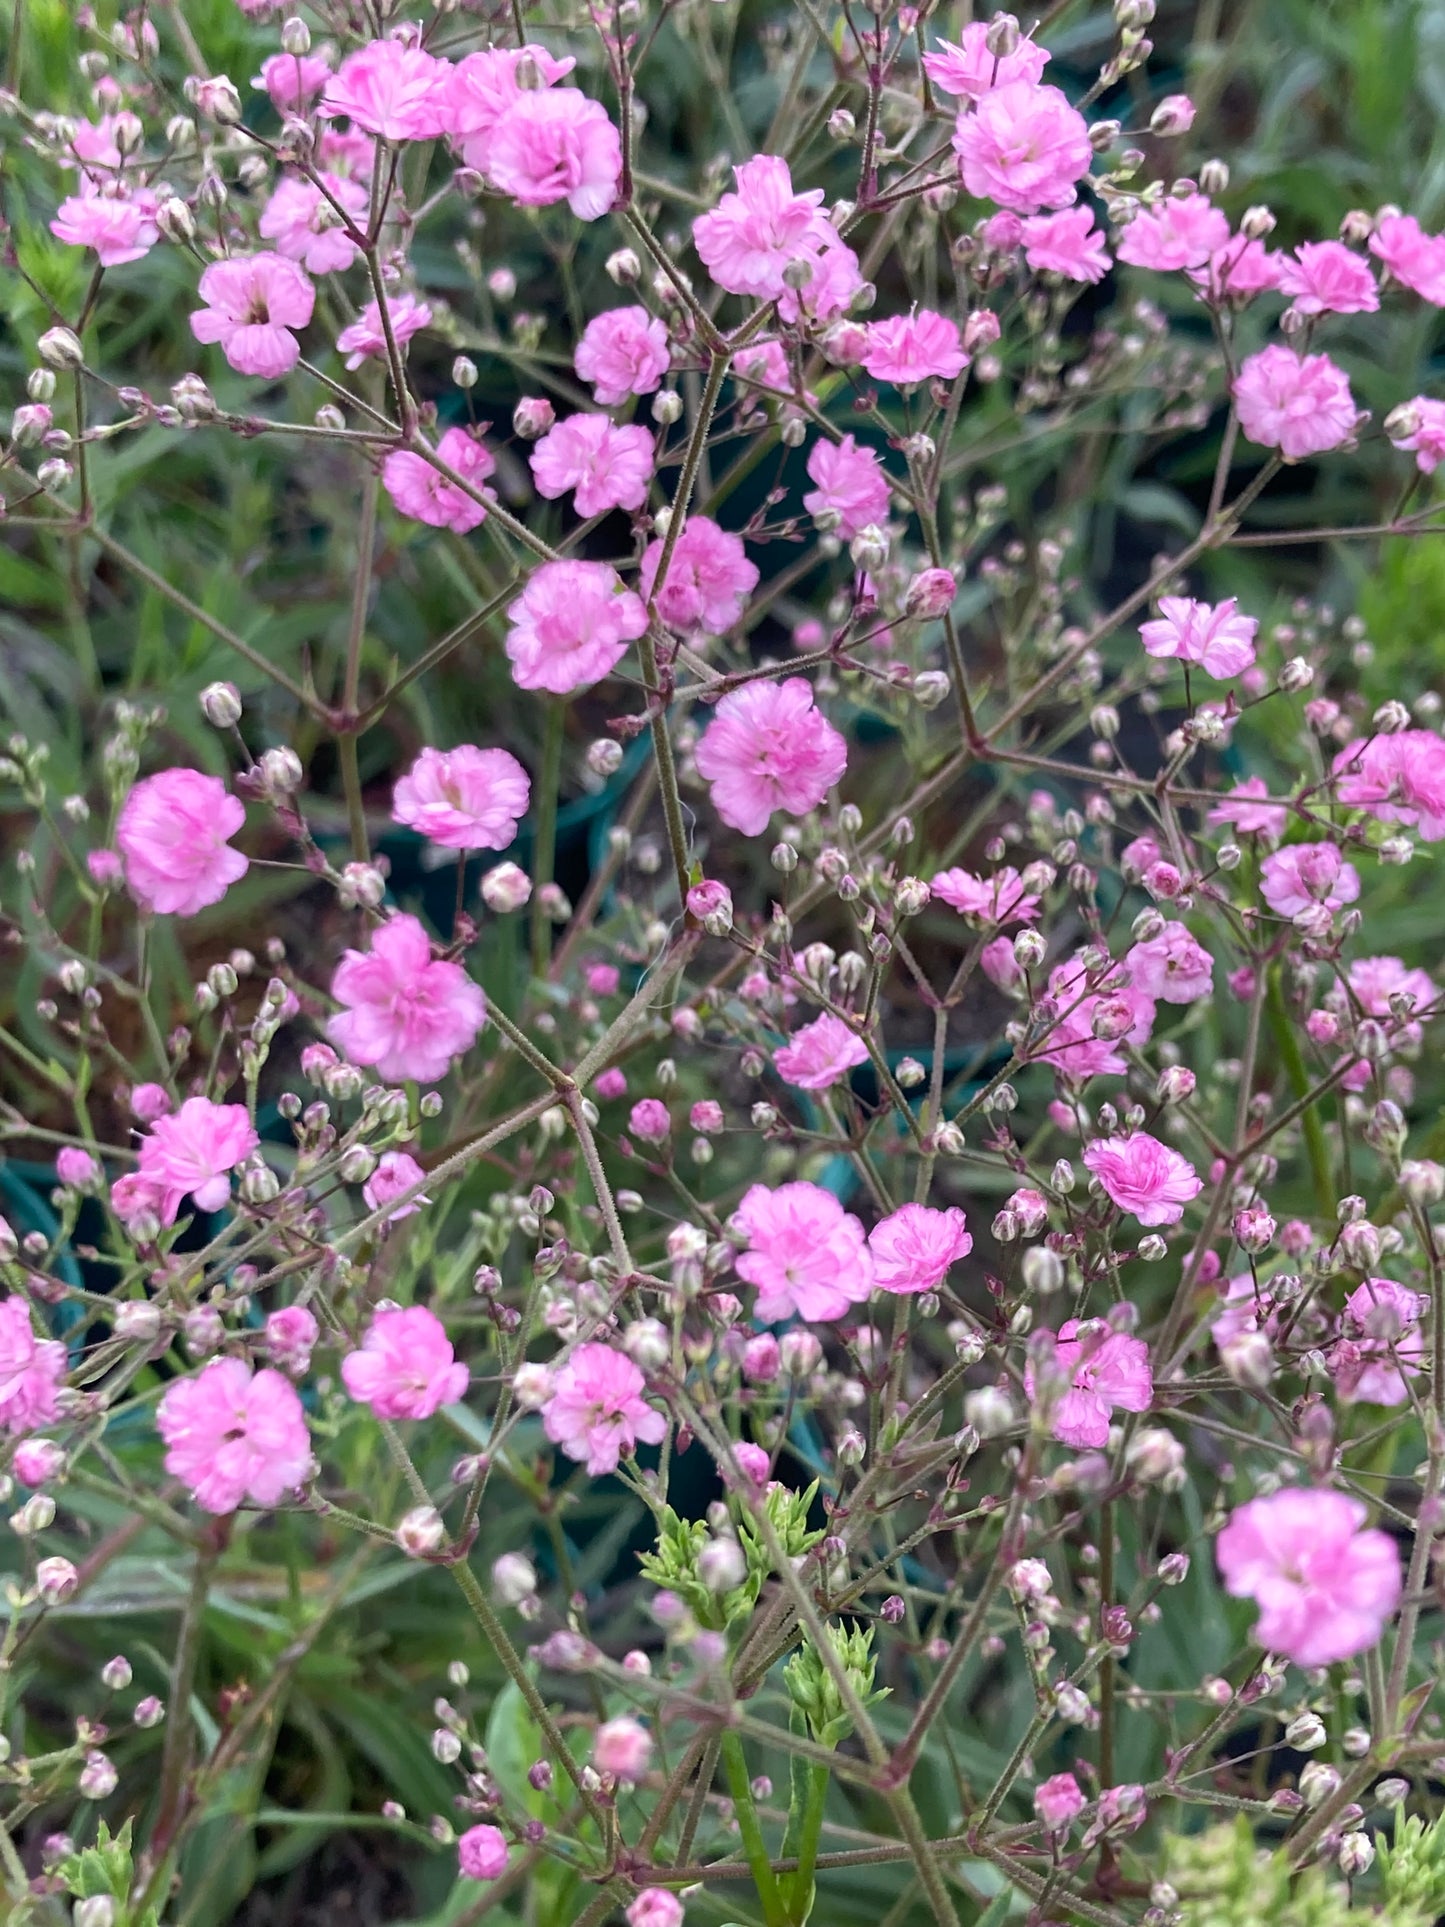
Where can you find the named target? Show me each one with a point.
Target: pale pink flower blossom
(253, 302)
(291, 1334)
(117, 227)
(482, 1853)
(849, 485)
(406, 1367)
(748, 239)
(394, 91)
(1213, 635)
(622, 1748)
(820, 1054)
(1326, 1584)
(622, 352)
(1397, 778)
(596, 1410)
(650, 1120)
(31, 1369)
(1080, 1044)
(294, 80)
(1243, 806)
(482, 86)
(148, 1102)
(464, 798)
(172, 831)
(193, 1151)
(1326, 277)
(601, 465)
(1426, 437)
(1172, 967)
(1415, 259)
(571, 626)
(1106, 1371)
(1057, 1801)
(1381, 1343)
(554, 144)
(1066, 243)
(75, 1166)
(424, 493)
(1305, 874)
(806, 1256)
(768, 748)
(305, 227)
(1239, 270)
(1300, 405)
(969, 69)
(1174, 233)
(404, 1011)
(709, 578)
(655, 1907)
(396, 1173)
(1149, 1180)
(134, 1198)
(365, 338)
(910, 348)
(1000, 899)
(913, 1247)
(828, 292)
(1024, 147)
(231, 1435)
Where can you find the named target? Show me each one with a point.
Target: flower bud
(55, 1579)
(1356, 1854)
(1317, 1782)
(513, 1578)
(533, 416)
(98, 1777)
(95, 1910)
(721, 1565)
(666, 409)
(421, 1532)
(1306, 1733)
(624, 268)
(930, 594)
(506, 887)
(930, 686)
(116, 1673)
(60, 348)
(295, 37)
(221, 704)
(1248, 1358)
(1173, 116)
(869, 548)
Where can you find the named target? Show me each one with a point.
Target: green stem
(544, 854)
(1316, 1148)
(755, 1851)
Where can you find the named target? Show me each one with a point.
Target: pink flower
(1143, 1177)
(828, 292)
(1399, 778)
(172, 832)
(650, 1120)
(1175, 233)
(817, 1056)
(291, 1333)
(767, 748)
(655, 1907)
(1239, 270)
(1414, 258)
(751, 235)
(1300, 405)
(622, 1748)
(623, 352)
(1106, 1371)
(77, 1167)
(1058, 1800)
(1024, 147)
(464, 798)
(366, 338)
(1425, 434)
(1325, 1587)
(193, 1153)
(37, 1462)
(605, 467)
(119, 229)
(231, 1436)
(806, 1255)
(706, 1115)
(851, 486)
(1326, 277)
(395, 91)
(294, 80)
(134, 1198)
(909, 348)
(404, 1011)
(305, 227)
(424, 493)
(1305, 874)
(554, 144)
(611, 1083)
(999, 899)
(1083, 1040)
(1214, 635)
(571, 626)
(968, 68)
(914, 1246)
(482, 1853)
(31, 1369)
(1172, 968)
(406, 1367)
(149, 1101)
(396, 1173)
(1380, 1343)
(480, 89)
(1242, 810)
(1375, 982)
(596, 1411)
(708, 580)
(930, 594)
(253, 301)
(1066, 243)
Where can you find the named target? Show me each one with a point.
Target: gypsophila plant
(722, 1132)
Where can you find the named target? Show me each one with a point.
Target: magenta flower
(1380, 1342)
(396, 1173)
(850, 486)
(425, 494)
(968, 68)
(1213, 635)
(303, 225)
(1024, 147)
(118, 228)
(365, 338)
(31, 1369)
(807, 1256)
(571, 626)
(909, 348)
(602, 466)
(554, 144)
(752, 235)
(1173, 234)
(1241, 807)
(394, 91)
(1143, 1177)
(253, 301)
(1298, 878)
(623, 352)
(1066, 243)
(1106, 1371)
(1172, 968)
(172, 832)
(1300, 405)
(482, 86)
(405, 1011)
(767, 748)
(708, 580)
(192, 1153)
(817, 1056)
(914, 1246)
(650, 1120)
(998, 899)
(231, 1435)
(464, 798)
(482, 1853)
(1324, 1586)
(1414, 258)
(406, 1367)
(1326, 277)
(596, 1411)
